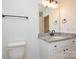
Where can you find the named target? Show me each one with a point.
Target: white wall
(20, 29)
(68, 12)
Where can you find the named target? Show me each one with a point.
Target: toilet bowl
(16, 50)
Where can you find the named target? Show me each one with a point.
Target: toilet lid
(16, 44)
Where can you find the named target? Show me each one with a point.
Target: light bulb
(48, 4)
(45, 3)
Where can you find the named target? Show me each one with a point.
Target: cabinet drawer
(60, 44)
(67, 44)
(71, 41)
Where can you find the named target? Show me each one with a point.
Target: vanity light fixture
(50, 3)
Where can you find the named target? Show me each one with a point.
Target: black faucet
(52, 33)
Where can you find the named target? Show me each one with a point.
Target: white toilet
(16, 50)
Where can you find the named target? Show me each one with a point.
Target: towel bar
(15, 16)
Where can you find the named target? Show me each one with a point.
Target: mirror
(49, 17)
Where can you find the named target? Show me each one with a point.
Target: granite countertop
(57, 37)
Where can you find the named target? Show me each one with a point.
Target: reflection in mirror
(49, 16)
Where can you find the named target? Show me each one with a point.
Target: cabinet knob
(73, 41)
(66, 49)
(55, 46)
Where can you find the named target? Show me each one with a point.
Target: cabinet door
(56, 54)
(69, 54)
(56, 50)
(70, 50)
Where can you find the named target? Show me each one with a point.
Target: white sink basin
(52, 38)
(57, 38)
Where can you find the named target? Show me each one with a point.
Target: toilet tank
(16, 50)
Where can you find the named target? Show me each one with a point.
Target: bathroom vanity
(59, 46)
(61, 19)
